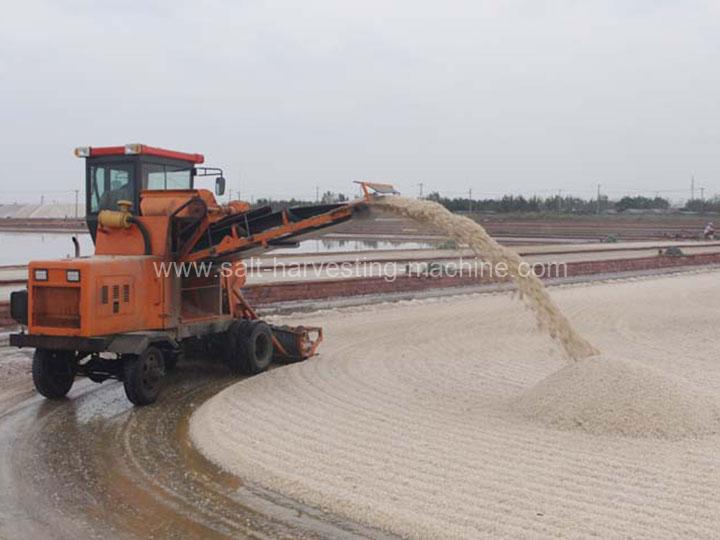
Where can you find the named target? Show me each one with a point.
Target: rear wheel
(249, 347)
(53, 372)
(142, 376)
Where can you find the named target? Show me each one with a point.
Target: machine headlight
(82, 151)
(40, 275)
(73, 275)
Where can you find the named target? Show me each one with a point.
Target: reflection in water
(330, 246)
(22, 247)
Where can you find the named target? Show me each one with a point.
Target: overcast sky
(516, 96)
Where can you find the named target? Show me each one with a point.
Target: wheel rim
(262, 346)
(151, 371)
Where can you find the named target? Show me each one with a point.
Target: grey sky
(516, 96)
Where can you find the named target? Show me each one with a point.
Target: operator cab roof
(136, 150)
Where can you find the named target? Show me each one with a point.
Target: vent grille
(56, 307)
(114, 295)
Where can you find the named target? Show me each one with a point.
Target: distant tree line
(642, 203)
(556, 203)
(520, 204)
(569, 204)
(704, 205)
(329, 197)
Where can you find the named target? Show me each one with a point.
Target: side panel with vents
(113, 295)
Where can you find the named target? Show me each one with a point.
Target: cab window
(156, 176)
(110, 184)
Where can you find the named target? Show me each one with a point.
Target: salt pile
(595, 394)
(613, 396)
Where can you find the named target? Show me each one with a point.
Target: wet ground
(93, 466)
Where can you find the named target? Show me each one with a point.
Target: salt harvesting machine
(167, 274)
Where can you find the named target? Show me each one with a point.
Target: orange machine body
(131, 285)
(174, 262)
(99, 295)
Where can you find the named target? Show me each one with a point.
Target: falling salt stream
(530, 288)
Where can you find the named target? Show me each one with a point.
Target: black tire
(142, 376)
(230, 340)
(250, 347)
(53, 372)
(171, 359)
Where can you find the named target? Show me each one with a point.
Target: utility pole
(77, 193)
(598, 198)
(692, 187)
(421, 190)
(317, 193)
(702, 200)
(469, 200)
(42, 200)
(559, 201)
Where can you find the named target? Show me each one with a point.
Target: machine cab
(116, 173)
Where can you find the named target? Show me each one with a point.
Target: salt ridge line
(531, 289)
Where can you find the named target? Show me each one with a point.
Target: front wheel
(142, 376)
(53, 372)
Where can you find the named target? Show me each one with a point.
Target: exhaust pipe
(76, 243)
